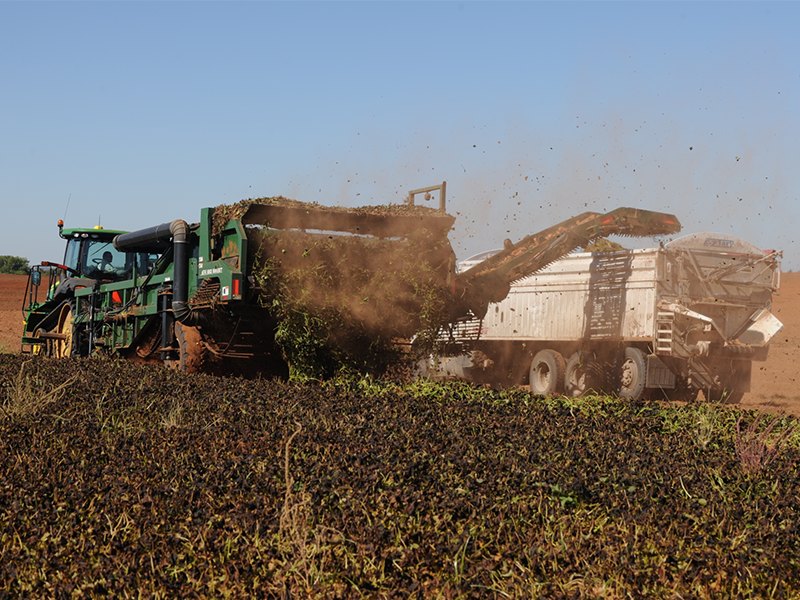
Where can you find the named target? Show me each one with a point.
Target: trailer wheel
(581, 375)
(547, 373)
(191, 351)
(633, 374)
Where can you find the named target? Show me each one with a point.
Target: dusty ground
(12, 290)
(774, 385)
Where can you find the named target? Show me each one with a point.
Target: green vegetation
(13, 265)
(144, 481)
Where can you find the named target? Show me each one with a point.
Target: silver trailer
(687, 316)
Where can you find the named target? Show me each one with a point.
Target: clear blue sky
(140, 113)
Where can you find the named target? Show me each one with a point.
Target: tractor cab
(90, 261)
(90, 257)
(91, 254)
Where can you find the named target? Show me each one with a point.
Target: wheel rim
(64, 346)
(630, 374)
(542, 376)
(36, 349)
(577, 381)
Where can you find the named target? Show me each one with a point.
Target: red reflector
(608, 220)
(115, 297)
(235, 287)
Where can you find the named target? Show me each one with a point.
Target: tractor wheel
(192, 354)
(581, 375)
(63, 347)
(75, 342)
(633, 374)
(547, 373)
(37, 349)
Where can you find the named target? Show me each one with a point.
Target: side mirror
(36, 278)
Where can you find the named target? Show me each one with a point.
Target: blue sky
(133, 114)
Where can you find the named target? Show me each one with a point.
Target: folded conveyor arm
(491, 280)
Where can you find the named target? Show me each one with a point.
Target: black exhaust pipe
(153, 239)
(157, 239)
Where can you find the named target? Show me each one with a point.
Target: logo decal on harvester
(226, 292)
(719, 243)
(214, 271)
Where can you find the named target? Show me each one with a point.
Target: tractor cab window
(103, 261)
(72, 256)
(98, 259)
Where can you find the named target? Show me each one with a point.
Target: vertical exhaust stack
(180, 288)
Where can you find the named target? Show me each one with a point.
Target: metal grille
(205, 295)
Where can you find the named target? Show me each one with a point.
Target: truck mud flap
(658, 374)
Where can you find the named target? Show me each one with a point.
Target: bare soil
(774, 386)
(12, 291)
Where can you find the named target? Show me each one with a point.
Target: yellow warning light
(60, 222)
(98, 226)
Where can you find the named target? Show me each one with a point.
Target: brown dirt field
(12, 291)
(774, 386)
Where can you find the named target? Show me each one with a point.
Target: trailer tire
(191, 352)
(581, 375)
(633, 374)
(547, 373)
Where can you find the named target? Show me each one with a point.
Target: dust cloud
(513, 178)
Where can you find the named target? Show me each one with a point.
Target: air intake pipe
(157, 239)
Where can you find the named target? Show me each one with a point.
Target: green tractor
(90, 263)
(127, 294)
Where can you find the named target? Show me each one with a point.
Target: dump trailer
(203, 296)
(690, 315)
